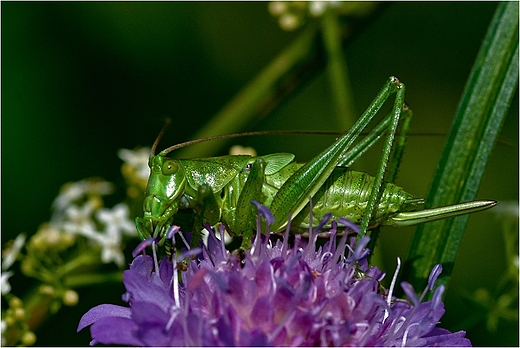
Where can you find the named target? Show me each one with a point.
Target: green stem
(301, 59)
(38, 305)
(91, 279)
(84, 259)
(338, 71)
(246, 104)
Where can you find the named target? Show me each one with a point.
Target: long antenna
(243, 134)
(237, 135)
(156, 142)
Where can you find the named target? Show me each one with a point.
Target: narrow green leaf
(484, 105)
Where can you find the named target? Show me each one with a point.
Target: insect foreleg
(141, 228)
(206, 210)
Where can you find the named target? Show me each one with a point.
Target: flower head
(78, 210)
(9, 256)
(4, 285)
(11, 253)
(138, 160)
(74, 191)
(276, 295)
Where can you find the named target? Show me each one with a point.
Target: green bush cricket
(220, 189)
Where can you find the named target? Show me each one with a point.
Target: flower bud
(15, 302)
(70, 298)
(28, 338)
(19, 314)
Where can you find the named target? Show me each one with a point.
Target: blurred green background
(82, 80)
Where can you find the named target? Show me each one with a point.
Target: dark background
(82, 80)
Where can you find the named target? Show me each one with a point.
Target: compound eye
(169, 168)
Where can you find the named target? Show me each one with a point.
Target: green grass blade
(484, 105)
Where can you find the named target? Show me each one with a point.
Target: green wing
(219, 171)
(276, 161)
(214, 171)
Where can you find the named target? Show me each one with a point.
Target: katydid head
(165, 188)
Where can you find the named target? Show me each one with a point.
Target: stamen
(142, 247)
(332, 236)
(154, 253)
(267, 240)
(222, 229)
(341, 248)
(392, 285)
(174, 314)
(410, 292)
(211, 234)
(184, 255)
(256, 245)
(360, 252)
(285, 245)
(432, 278)
(310, 220)
(350, 225)
(171, 231)
(437, 297)
(175, 284)
(175, 279)
(405, 335)
(325, 257)
(177, 230)
(434, 274)
(323, 222)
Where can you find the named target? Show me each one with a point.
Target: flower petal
(443, 338)
(145, 311)
(434, 274)
(141, 289)
(103, 311)
(116, 330)
(262, 314)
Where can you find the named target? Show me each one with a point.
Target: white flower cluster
(8, 258)
(293, 14)
(138, 159)
(85, 217)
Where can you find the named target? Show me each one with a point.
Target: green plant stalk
(40, 306)
(301, 59)
(484, 105)
(91, 279)
(338, 71)
(245, 105)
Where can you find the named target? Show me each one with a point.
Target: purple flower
(277, 295)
